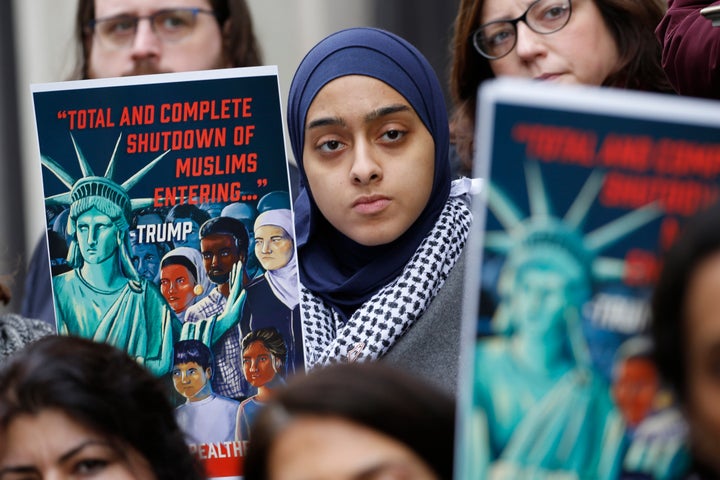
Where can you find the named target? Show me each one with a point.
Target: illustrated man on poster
(223, 244)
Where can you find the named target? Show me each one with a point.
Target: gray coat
(430, 349)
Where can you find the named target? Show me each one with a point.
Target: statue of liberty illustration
(103, 297)
(543, 407)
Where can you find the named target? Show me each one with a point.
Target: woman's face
(273, 247)
(324, 448)
(368, 158)
(583, 52)
(50, 445)
(176, 285)
(702, 347)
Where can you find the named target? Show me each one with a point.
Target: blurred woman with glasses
(593, 42)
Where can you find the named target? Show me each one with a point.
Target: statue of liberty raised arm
(103, 297)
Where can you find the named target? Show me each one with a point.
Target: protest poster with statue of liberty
(584, 189)
(166, 187)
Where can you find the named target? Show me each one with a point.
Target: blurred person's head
(353, 421)
(180, 35)
(70, 406)
(686, 329)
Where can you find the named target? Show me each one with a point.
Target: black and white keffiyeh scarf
(377, 325)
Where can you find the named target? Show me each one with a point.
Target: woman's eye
(90, 466)
(393, 135)
(330, 146)
(500, 38)
(555, 12)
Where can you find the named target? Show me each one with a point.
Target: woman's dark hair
(631, 22)
(698, 240)
(272, 339)
(183, 262)
(240, 45)
(372, 395)
(102, 389)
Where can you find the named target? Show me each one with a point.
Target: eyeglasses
(171, 25)
(496, 39)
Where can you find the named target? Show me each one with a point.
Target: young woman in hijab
(272, 298)
(380, 231)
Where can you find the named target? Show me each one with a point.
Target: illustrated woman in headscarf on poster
(183, 279)
(272, 298)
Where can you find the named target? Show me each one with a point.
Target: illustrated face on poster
(546, 284)
(273, 247)
(190, 378)
(177, 286)
(258, 364)
(220, 253)
(634, 388)
(97, 236)
(146, 258)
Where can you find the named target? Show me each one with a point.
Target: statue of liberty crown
(542, 228)
(91, 185)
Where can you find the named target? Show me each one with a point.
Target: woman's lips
(369, 205)
(548, 76)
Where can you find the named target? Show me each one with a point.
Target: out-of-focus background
(37, 46)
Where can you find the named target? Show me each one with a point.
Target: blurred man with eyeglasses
(134, 37)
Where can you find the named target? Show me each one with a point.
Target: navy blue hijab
(337, 269)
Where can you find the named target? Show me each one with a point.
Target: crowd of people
(361, 263)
